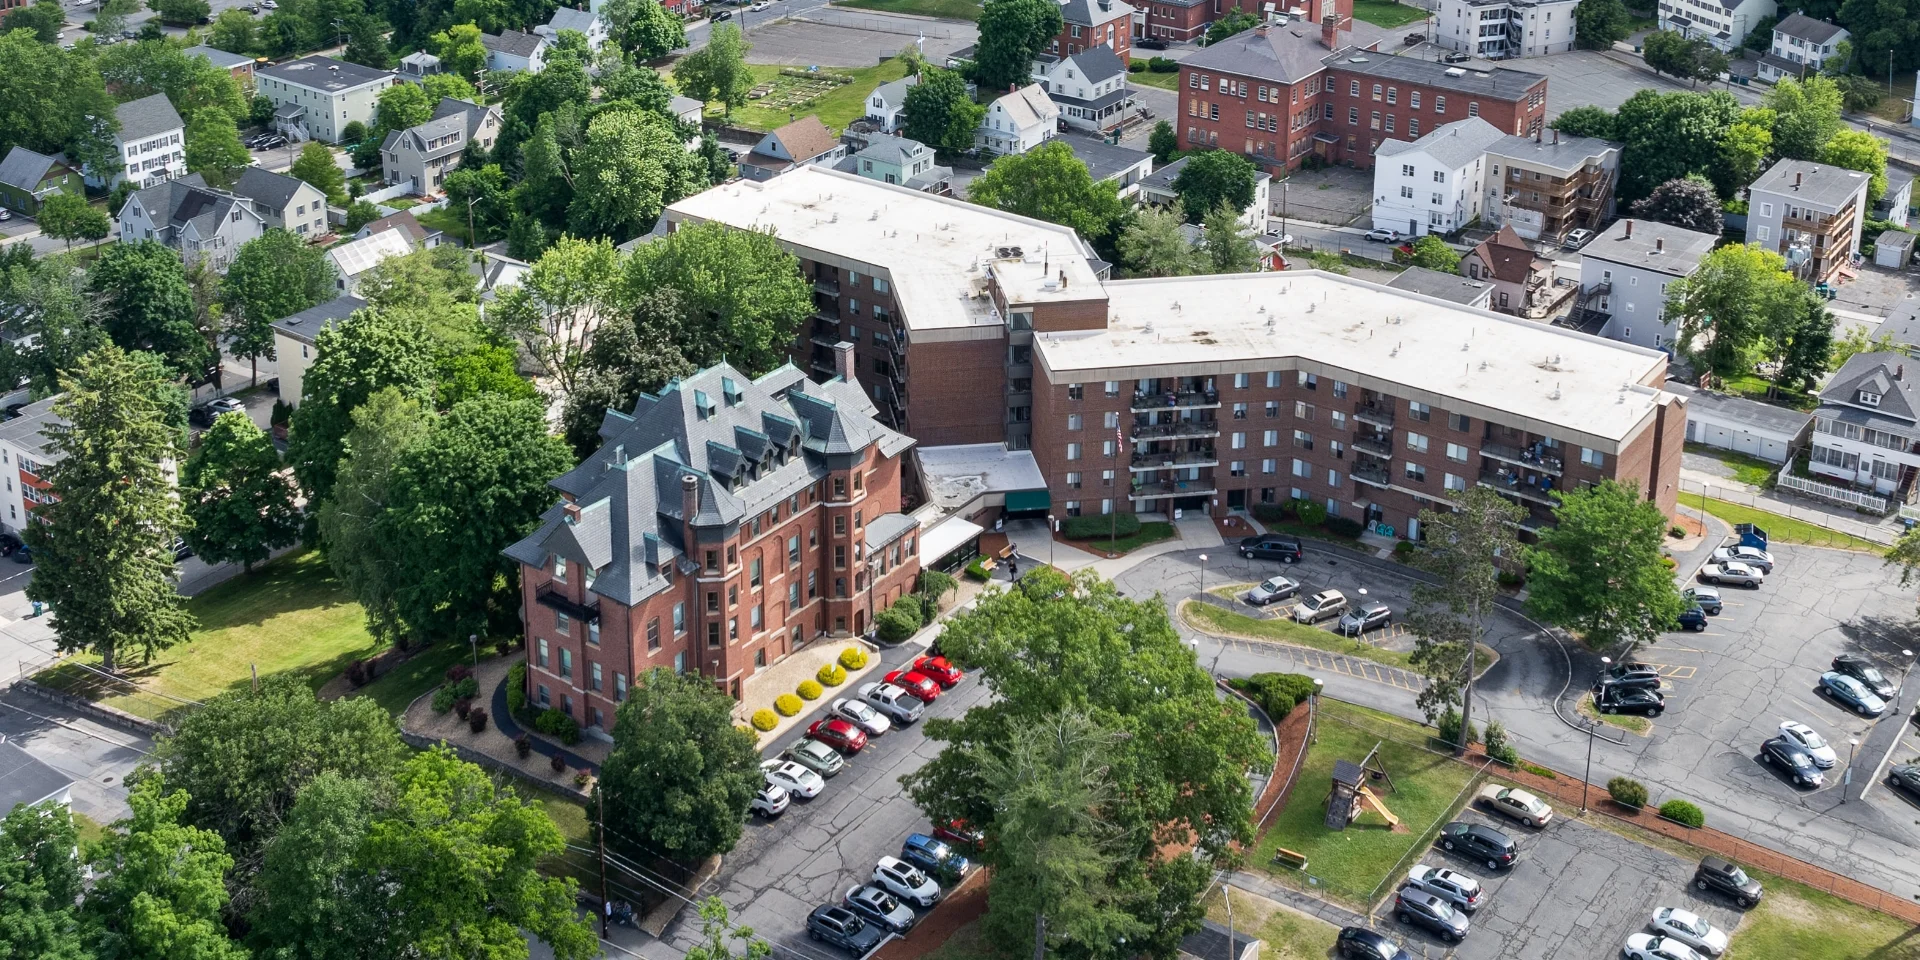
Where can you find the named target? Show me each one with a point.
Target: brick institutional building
(1281, 93)
(720, 525)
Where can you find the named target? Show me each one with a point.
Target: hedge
(809, 690)
(977, 570)
(900, 620)
(1449, 725)
(1627, 792)
(853, 658)
(1087, 528)
(1345, 526)
(1683, 813)
(1311, 512)
(1403, 549)
(1276, 693)
(553, 723)
(935, 584)
(764, 720)
(517, 688)
(787, 704)
(831, 675)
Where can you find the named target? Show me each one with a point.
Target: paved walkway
(1696, 483)
(1289, 897)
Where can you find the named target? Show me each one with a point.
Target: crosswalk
(1331, 662)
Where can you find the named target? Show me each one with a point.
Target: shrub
(1508, 578)
(282, 414)
(581, 779)
(1087, 528)
(929, 607)
(558, 763)
(1271, 512)
(831, 675)
(853, 658)
(1669, 562)
(787, 704)
(1677, 532)
(935, 584)
(503, 646)
(476, 720)
(1627, 792)
(1403, 549)
(898, 622)
(1276, 693)
(1539, 771)
(809, 690)
(1137, 66)
(1162, 65)
(443, 699)
(461, 707)
(523, 745)
(1449, 726)
(1311, 512)
(977, 570)
(517, 688)
(1684, 813)
(458, 672)
(553, 723)
(1497, 746)
(358, 674)
(1345, 526)
(466, 688)
(764, 720)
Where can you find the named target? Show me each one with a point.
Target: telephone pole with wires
(606, 905)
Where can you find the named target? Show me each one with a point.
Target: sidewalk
(1696, 483)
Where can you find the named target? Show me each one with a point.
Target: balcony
(1514, 486)
(1178, 430)
(1524, 458)
(556, 600)
(1177, 488)
(1183, 458)
(826, 285)
(1370, 474)
(1376, 446)
(827, 310)
(1188, 400)
(1377, 413)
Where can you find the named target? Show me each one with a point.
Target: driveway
(97, 757)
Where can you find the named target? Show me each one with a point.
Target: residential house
(238, 64)
(26, 781)
(149, 144)
(1723, 23)
(1801, 46)
(426, 153)
(1764, 431)
(1498, 29)
(285, 202)
(1089, 88)
(891, 159)
(418, 66)
(1522, 281)
(1451, 287)
(24, 456)
(723, 524)
(1126, 167)
(1896, 205)
(316, 97)
(1624, 273)
(293, 342)
(515, 51)
(1157, 189)
(1018, 121)
(352, 260)
(416, 233)
(1435, 184)
(1087, 24)
(1810, 213)
(1547, 186)
(1866, 430)
(887, 104)
(588, 24)
(803, 142)
(687, 109)
(28, 178)
(198, 221)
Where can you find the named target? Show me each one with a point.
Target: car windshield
(1813, 740)
(1872, 675)
(1274, 585)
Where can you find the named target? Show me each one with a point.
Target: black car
(719, 15)
(1905, 776)
(1150, 43)
(1359, 943)
(200, 416)
(843, 928)
(1863, 670)
(879, 907)
(1456, 58)
(1272, 546)
(1718, 875)
(1695, 619)
(180, 549)
(1619, 698)
(1793, 758)
(23, 555)
(8, 544)
(1422, 909)
(1475, 842)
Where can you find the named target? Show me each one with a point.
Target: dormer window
(1869, 399)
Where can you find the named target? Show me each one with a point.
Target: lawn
(288, 616)
(1751, 471)
(1798, 921)
(1386, 13)
(1289, 935)
(1781, 529)
(1165, 81)
(944, 9)
(1896, 107)
(1637, 724)
(1352, 863)
(788, 97)
(447, 221)
(1150, 532)
(1229, 623)
(415, 675)
(1754, 387)
(571, 818)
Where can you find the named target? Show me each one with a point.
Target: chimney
(1796, 179)
(689, 502)
(1629, 229)
(1260, 31)
(1536, 136)
(1659, 244)
(570, 513)
(843, 362)
(1330, 30)
(1063, 279)
(1900, 372)
(1556, 138)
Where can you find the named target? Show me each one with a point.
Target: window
(559, 568)
(1301, 468)
(813, 584)
(1237, 441)
(1457, 453)
(594, 673)
(620, 687)
(1593, 458)
(541, 656)
(1303, 410)
(1413, 99)
(1239, 411)
(1113, 388)
(653, 634)
(1240, 381)
(1439, 176)
(1416, 472)
(561, 623)
(1459, 421)
(1073, 480)
(1373, 121)
(1419, 411)
(1353, 115)
(1111, 420)
(1869, 398)
(1452, 482)
(1237, 468)
(1413, 126)
(753, 577)
(1439, 104)
(1073, 421)
(1269, 466)
(1473, 108)
(1073, 451)
(1076, 392)
(679, 618)
(1406, 169)
(1338, 419)
(793, 594)
(566, 663)
(1301, 439)
(1273, 408)
(793, 550)
(1417, 443)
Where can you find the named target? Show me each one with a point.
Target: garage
(1726, 422)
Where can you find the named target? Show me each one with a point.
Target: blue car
(1694, 619)
(1852, 694)
(933, 856)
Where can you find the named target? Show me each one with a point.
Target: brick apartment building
(721, 525)
(1086, 24)
(1213, 393)
(1283, 92)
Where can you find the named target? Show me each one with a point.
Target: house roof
(1499, 83)
(421, 59)
(1506, 255)
(416, 138)
(567, 18)
(684, 105)
(25, 168)
(473, 113)
(1027, 106)
(146, 117)
(895, 92)
(1558, 153)
(187, 200)
(1651, 245)
(324, 74)
(1814, 184)
(358, 256)
(28, 430)
(1094, 12)
(306, 324)
(1751, 414)
(806, 138)
(404, 221)
(1903, 321)
(1883, 373)
(1807, 28)
(892, 149)
(24, 779)
(514, 43)
(220, 58)
(1099, 63)
(276, 190)
(1453, 145)
(1104, 159)
(1445, 286)
(1288, 53)
(884, 529)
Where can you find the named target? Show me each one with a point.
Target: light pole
(1902, 688)
(1846, 780)
(1319, 686)
(1203, 573)
(473, 240)
(473, 640)
(1051, 530)
(1586, 780)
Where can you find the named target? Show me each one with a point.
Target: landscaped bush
(977, 570)
(831, 675)
(1677, 532)
(443, 699)
(1497, 746)
(900, 620)
(935, 584)
(1682, 812)
(458, 672)
(1311, 512)
(1449, 726)
(853, 658)
(523, 745)
(359, 673)
(558, 763)
(1275, 693)
(476, 720)
(1403, 549)
(1627, 792)
(1087, 528)
(809, 690)
(764, 720)
(1345, 526)
(1669, 562)
(455, 692)
(1272, 512)
(517, 688)
(1137, 66)
(1508, 578)
(1538, 770)
(787, 704)
(1162, 65)
(462, 707)
(553, 723)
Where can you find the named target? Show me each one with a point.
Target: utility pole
(606, 906)
(1039, 936)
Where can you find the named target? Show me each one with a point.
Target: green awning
(1020, 501)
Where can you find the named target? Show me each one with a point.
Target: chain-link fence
(1833, 529)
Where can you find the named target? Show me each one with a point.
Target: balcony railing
(1511, 484)
(1177, 488)
(1184, 458)
(1373, 445)
(1539, 463)
(1178, 430)
(1169, 400)
(1380, 415)
(1366, 473)
(826, 285)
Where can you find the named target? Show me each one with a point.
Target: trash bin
(37, 608)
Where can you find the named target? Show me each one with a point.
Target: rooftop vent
(1007, 253)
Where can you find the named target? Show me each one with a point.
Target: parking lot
(835, 37)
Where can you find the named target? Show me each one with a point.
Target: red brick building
(1094, 23)
(722, 524)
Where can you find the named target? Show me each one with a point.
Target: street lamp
(1903, 677)
(1203, 573)
(1051, 530)
(1586, 780)
(1846, 779)
(473, 640)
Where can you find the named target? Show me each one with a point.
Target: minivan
(1324, 605)
(1272, 546)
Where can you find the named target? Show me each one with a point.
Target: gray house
(1624, 274)
(515, 51)
(293, 205)
(28, 178)
(427, 153)
(199, 222)
(315, 98)
(1810, 213)
(898, 160)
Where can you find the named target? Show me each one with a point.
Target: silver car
(1677, 924)
(1272, 590)
(1753, 557)
(1321, 606)
(1456, 888)
(1738, 574)
(861, 715)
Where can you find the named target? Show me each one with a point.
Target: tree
(1585, 120)
(44, 18)
(53, 101)
(60, 319)
(717, 71)
(1857, 93)
(1806, 116)
(352, 524)
(214, 149)
(180, 13)
(1858, 150)
(939, 113)
(1688, 203)
(653, 32)
(1433, 253)
(1462, 550)
(1599, 570)
(1012, 33)
(359, 214)
(1224, 247)
(443, 86)
(1163, 143)
(716, 930)
(631, 166)
(112, 16)
(1669, 135)
(402, 106)
(1237, 21)
(491, 370)
(1799, 338)
(150, 305)
(354, 358)
(40, 877)
(738, 295)
(1154, 244)
(546, 183)
(316, 166)
(470, 488)
(1691, 59)
(103, 557)
(481, 193)
(273, 276)
(69, 217)
(310, 900)
(624, 81)
(628, 357)
(1050, 183)
(1601, 24)
(1728, 302)
(1212, 178)
(1856, 341)
(158, 894)
(233, 31)
(1745, 146)
(192, 83)
(1905, 553)
(680, 775)
(461, 51)
(240, 505)
(572, 288)
(367, 42)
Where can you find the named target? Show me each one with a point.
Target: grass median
(1782, 529)
(1222, 622)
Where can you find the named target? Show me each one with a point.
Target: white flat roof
(1425, 348)
(957, 474)
(936, 251)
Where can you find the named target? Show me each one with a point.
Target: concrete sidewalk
(1695, 483)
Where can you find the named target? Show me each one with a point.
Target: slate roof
(303, 326)
(1651, 245)
(24, 779)
(324, 73)
(188, 199)
(567, 18)
(747, 444)
(513, 43)
(1104, 159)
(1455, 145)
(1807, 28)
(1739, 410)
(1508, 256)
(25, 168)
(1814, 184)
(1099, 63)
(1094, 12)
(265, 187)
(1288, 53)
(1500, 83)
(219, 58)
(1883, 373)
(146, 117)
(1442, 286)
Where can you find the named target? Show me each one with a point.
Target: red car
(838, 734)
(940, 669)
(957, 834)
(916, 683)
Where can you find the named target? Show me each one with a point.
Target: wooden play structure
(1352, 794)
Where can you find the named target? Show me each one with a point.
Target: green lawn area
(1782, 529)
(1752, 471)
(836, 105)
(447, 221)
(945, 9)
(1351, 863)
(91, 831)
(1637, 724)
(1755, 387)
(1223, 622)
(571, 818)
(1798, 921)
(1288, 935)
(288, 616)
(1896, 107)
(1150, 532)
(1147, 78)
(401, 203)
(1386, 13)
(416, 675)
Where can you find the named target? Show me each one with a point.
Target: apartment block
(1435, 184)
(316, 97)
(1498, 29)
(1624, 274)
(1546, 186)
(1086, 24)
(1724, 23)
(1810, 213)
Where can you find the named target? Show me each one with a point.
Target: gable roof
(1884, 373)
(1287, 53)
(325, 73)
(806, 138)
(567, 18)
(1506, 255)
(891, 149)
(1099, 63)
(275, 190)
(1453, 145)
(1027, 106)
(404, 221)
(1092, 13)
(219, 58)
(1445, 286)
(1104, 159)
(474, 114)
(188, 201)
(895, 92)
(514, 43)
(417, 138)
(358, 256)
(308, 323)
(1807, 28)
(25, 168)
(146, 117)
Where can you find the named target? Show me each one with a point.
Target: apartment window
(1303, 410)
(1301, 468)
(562, 623)
(758, 617)
(1373, 122)
(1237, 441)
(1106, 480)
(1073, 508)
(733, 595)
(679, 618)
(1439, 104)
(1593, 458)
(653, 634)
(1413, 99)
(1457, 453)
(620, 686)
(1240, 381)
(1459, 421)
(840, 526)
(1074, 421)
(1073, 480)
(839, 557)
(1406, 193)
(1419, 411)
(1269, 466)
(1389, 123)
(1073, 451)
(1301, 439)
(1237, 468)
(1113, 388)
(1417, 443)
(1353, 116)
(1273, 408)
(1452, 482)
(1076, 392)
(566, 663)
(793, 550)
(594, 673)
(1111, 420)
(1239, 411)
(1416, 472)
(793, 594)
(1473, 108)
(1413, 126)
(559, 568)
(753, 576)
(1406, 169)
(813, 584)
(541, 654)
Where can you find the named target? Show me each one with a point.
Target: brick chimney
(1796, 179)
(1659, 244)
(689, 502)
(570, 513)
(1629, 229)
(1260, 31)
(843, 362)
(1330, 28)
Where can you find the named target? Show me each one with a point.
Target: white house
(1090, 88)
(1725, 25)
(514, 51)
(1435, 184)
(293, 342)
(151, 144)
(885, 105)
(803, 142)
(1866, 431)
(1624, 274)
(1018, 121)
(1498, 29)
(567, 18)
(1157, 189)
(1800, 46)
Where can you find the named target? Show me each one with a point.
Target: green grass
(288, 616)
(1751, 471)
(1289, 935)
(1147, 78)
(966, 943)
(1754, 387)
(1895, 108)
(571, 819)
(1782, 529)
(401, 203)
(1354, 861)
(447, 221)
(1217, 620)
(1797, 921)
(1637, 724)
(91, 831)
(1150, 532)
(837, 107)
(1386, 13)
(944, 9)
(416, 675)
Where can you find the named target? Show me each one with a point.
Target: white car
(1578, 238)
(1517, 804)
(1734, 573)
(1456, 888)
(861, 715)
(771, 801)
(1272, 589)
(1321, 606)
(1384, 236)
(904, 880)
(5, 214)
(793, 778)
(1647, 946)
(1689, 929)
(1824, 756)
(1751, 556)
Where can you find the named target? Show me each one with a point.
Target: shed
(1211, 942)
(1727, 422)
(1894, 248)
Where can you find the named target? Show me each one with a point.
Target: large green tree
(1669, 135)
(69, 217)
(40, 885)
(1163, 143)
(310, 900)
(191, 82)
(150, 306)
(1690, 58)
(316, 166)
(1012, 33)
(1050, 183)
(402, 106)
(1688, 203)
(1433, 253)
(1799, 338)
(180, 13)
(740, 295)
(240, 504)
(158, 893)
(939, 113)
(353, 524)
(635, 354)
(1213, 177)
(104, 561)
(573, 287)
(272, 276)
(60, 320)
(1725, 307)
(213, 148)
(1599, 24)
(1599, 570)
(631, 166)
(1224, 244)
(1462, 548)
(368, 351)
(680, 775)
(1585, 120)
(1806, 116)
(717, 71)
(234, 31)
(44, 18)
(1745, 146)
(1155, 244)
(54, 101)
(1862, 151)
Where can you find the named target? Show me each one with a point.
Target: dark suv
(1272, 546)
(1475, 842)
(1359, 943)
(1727, 878)
(1422, 909)
(842, 928)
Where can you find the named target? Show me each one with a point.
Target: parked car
(916, 683)
(1632, 670)
(1793, 758)
(818, 757)
(1719, 876)
(1456, 58)
(180, 549)
(844, 929)
(1359, 943)
(960, 836)
(8, 544)
(1320, 606)
(771, 801)
(839, 734)
(1738, 574)
(1905, 776)
(1578, 238)
(23, 555)
(1272, 590)
(934, 856)
(793, 778)
(1863, 670)
(905, 881)
(1622, 699)
(718, 16)
(1485, 844)
(1823, 753)
(940, 670)
(1637, 681)
(1690, 929)
(1150, 43)
(1517, 804)
(1384, 236)
(1707, 597)
(1852, 694)
(1272, 546)
(879, 907)
(5, 214)
(898, 705)
(1456, 888)
(222, 405)
(1648, 946)
(1753, 557)
(1422, 909)
(1693, 618)
(1370, 615)
(860, 715)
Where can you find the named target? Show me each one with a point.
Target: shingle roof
(24, 779)
(1740, 410)
(404, 221)
(473, 113)
(806, 138)
(1027, 106)
(1651, 245)
(681, 106)
(1815, 184)
(567, 18)
(1099, 63)
(25, 168)
(1553, 152)
(1455, 144)
(1508, 256)
(1094, 12)
(513, 43)
(1287, 54)
(187, 200)
(1444, 286)
(891, 149)
(1500, 83)
(1807, 28)
(146, 117)
(1883, 373)
(219, 58)
(308, 323)
(895, 92)
(324, 73)
(275, 190)
(1104, 159)
(417, 137)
